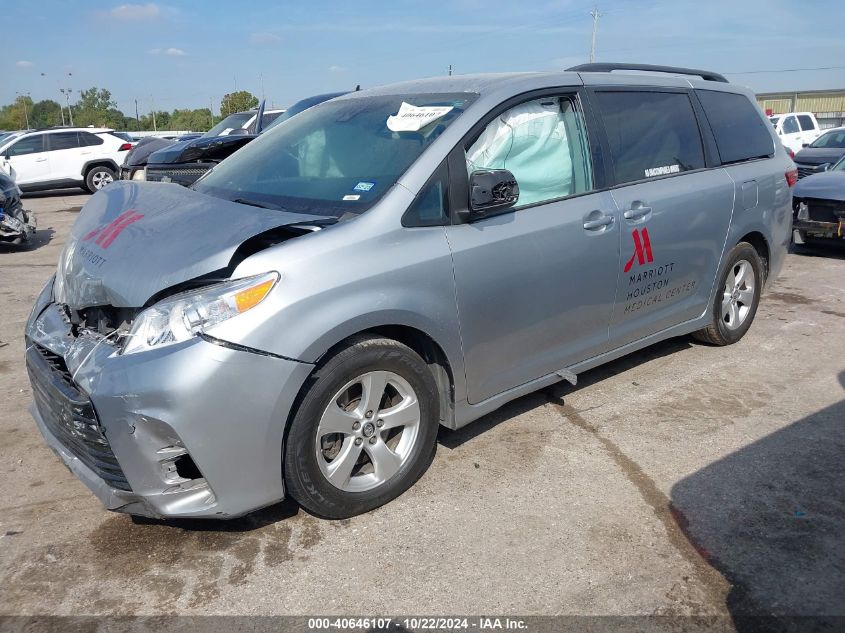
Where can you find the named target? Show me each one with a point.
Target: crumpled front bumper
(224, 408)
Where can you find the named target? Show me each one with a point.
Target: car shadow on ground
(452, 439)
(40, 238)
(52, 193)
(770, 518)
(831, 249)
(252, 521)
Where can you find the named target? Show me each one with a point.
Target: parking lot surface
(685, 479)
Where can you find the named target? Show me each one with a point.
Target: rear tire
(736, 298)
(364, 431)
(98, 177)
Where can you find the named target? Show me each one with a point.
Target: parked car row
(184, 163)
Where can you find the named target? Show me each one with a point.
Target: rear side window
(87, 139)
(650, 133)
(741, 133)
(63, 140)
(806, 122)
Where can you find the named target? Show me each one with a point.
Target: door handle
(598, 223)
(637, 211)
(40, 160)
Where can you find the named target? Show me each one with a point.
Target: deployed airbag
(530, 141)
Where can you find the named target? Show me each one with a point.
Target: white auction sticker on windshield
(411, 118)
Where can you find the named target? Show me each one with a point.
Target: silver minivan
(304, 318)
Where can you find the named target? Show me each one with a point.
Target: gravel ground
(684, 479)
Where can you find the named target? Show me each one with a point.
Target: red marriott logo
(642, 249)
(108, 233)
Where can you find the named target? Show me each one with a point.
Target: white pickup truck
(796, 129)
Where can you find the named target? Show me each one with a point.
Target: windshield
(302, 106)
(839, 165)
(835, 139)
(334, 158)
(228, 124)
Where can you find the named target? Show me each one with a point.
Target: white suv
(63, 157)
(796, 129)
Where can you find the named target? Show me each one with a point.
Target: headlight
(182, 316)
(140, 174)
(803, 211)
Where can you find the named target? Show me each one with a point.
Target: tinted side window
(431, 206)
(63, 140)
(29, 145)
(87, 139)
(806, 122)
(543, 143)
(267, 119)
(790, 125)
(741, 133)
(650, 133)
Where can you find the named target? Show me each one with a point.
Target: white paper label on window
(411, 118)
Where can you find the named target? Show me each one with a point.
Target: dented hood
(135, 239)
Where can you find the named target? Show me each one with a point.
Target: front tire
(98, 177)
(364, 431)
(737, 297)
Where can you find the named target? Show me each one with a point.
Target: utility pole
(595, 13)
(23, 101)
(211, 110)
(450, 70)
(67, 92)
(137, 118)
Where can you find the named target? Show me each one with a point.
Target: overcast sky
(187, 54)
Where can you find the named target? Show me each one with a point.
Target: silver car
(304, 318)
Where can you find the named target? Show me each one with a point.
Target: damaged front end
(17, 225)
(130, 387)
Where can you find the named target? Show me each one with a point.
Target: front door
(27, 160)
(675, 213)
(536, 284)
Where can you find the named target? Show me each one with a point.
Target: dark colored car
(184, 163)
(238, 123)
(822, 153)
(819, 205)
(16, 224)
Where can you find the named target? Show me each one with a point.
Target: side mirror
(805, 145)
(492, 190)
(238, 131)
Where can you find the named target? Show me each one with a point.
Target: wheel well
(760, 245)
(98, 163)
(431, 353)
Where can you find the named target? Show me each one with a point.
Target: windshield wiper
(256, 203)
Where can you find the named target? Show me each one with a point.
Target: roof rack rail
(609, 67)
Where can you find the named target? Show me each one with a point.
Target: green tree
(95, 107)
(198, 120)
(14, 116)
(237, 102)
(45, 113)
